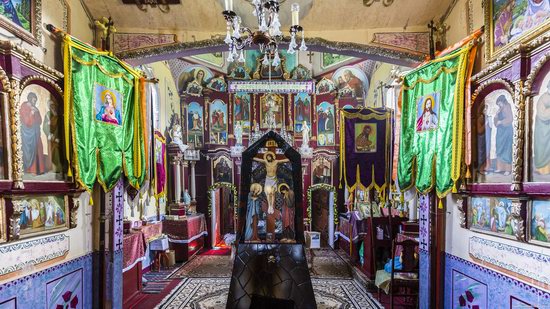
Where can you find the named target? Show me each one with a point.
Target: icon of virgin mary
(108, 111)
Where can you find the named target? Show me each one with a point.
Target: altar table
(133, 250)
(186, 236)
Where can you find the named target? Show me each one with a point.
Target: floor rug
(211, 293)
(158, 280)
(206, 266)
(326, 263)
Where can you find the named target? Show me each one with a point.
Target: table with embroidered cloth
(186, 236)
(133, 248)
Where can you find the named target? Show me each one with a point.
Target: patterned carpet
(206, 284)
(158, 280)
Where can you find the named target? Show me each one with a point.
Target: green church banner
(432, 123)
(104, 121)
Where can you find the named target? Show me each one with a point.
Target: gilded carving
(517, 222)
(15, 228)
(461, 213)
(528, 88)
(27, 57)
(506, 83)
(74, 212)
(519, 136)
(16, 145)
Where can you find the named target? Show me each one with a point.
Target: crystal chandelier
(267, 37)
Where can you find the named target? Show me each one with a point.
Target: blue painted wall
(488, 288)
(30, 291)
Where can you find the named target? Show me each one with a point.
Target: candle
(295, 8)
(229, 5)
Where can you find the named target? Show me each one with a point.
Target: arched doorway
(222, 206)
(321, 211)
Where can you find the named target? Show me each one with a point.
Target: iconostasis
(220, 100)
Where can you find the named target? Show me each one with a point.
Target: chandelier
(268, 35)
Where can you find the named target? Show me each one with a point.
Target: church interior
(274, 154)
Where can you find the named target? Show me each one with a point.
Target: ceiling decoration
(163, 5)
(386, 3)
(243, 8)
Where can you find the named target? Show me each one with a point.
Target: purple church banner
(364, 147)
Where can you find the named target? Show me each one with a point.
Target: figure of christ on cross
(270, 186)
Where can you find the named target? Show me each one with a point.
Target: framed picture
(222, 170)
(302, 111)
(218, 122)
(21, 18)
(241, 110)
(540, 132)
(491, 215)
(329, 60)
(493, 138)
(272, 111)
(427, 112)
(217, 84)
(514, 21)
(238, 71)
(196, 74)
(41, 114)
(42, 214)
(325, 124)
(301, 73)
(321, 171)
(325, 86)
(539, 222)
(365, 137)
(195, 124)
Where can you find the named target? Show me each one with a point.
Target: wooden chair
(400, 286)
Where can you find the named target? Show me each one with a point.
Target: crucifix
(433, 29)
(310, 55)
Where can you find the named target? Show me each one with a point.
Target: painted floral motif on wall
(65, 292)
(468, 292)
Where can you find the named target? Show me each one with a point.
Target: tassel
(440, 205)
(91, 200)
(468, 173)
(454, 188)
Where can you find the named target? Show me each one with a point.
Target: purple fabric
(160, 164)
(379, 159)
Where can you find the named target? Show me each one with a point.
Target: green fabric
(102, 149)
(442, 80)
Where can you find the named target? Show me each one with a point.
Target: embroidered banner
(432, 123)
(106, 115)
(364, 148)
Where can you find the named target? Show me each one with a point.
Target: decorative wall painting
(491, 214)
(217, 84)
(540, 160)
(222, 170)
(540, 222)
(329, 60)
(241, 110)
(195, 125)
(42, 214)
(238, 70)
(514, 20)
(325, 86)
(218, 122)
(351, 82)
(494, 137)
(42, 131)
(301, 73)
(215, 59)
(468, 292)
(200, 75)
(18, 16)
(66, 291)
(321, 171)
(302, 111)
(272, 111)
(325, 124)
(365, 137)
(254, 61)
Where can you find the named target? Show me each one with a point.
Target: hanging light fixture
(267, 37)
